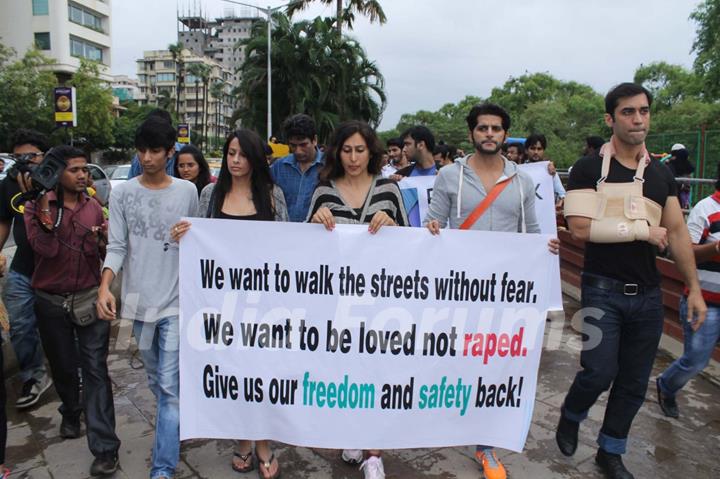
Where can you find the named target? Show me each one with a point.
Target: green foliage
(707, 46)
(367, 8)
(314, 71)
(27, 94)
(565, 112)
(94, 106)
(127, 124)
(202, 72)
(669, 84)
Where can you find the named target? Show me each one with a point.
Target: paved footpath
(659, 447)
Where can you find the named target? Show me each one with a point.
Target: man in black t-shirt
(621, 296)
(18, 295)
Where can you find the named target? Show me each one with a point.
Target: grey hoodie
(458, 191)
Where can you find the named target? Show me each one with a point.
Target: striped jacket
(384, 195)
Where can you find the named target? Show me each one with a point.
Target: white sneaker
(373, 468)
(352, 456)
(32, 390)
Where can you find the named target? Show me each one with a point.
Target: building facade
(64, 30)
(218, 39)
(206, 106)
(125, 88)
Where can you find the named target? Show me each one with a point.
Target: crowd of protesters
(58, 286)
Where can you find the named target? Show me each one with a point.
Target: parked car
(120, 174)
(109, 169)
(101, 183)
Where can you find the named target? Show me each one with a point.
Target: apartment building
(157, 74)
(218, 38)
(64, 30)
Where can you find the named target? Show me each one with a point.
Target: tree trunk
(339, 17)
(197, 99)
(205, 115)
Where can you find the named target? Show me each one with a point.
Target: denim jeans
(699, 346)
(621, 338)
(24, 336)
(159, 346)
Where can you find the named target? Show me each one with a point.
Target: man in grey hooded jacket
(462, 186)
(459, 189)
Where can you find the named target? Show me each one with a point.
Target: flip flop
(266, 466)
(247, 459)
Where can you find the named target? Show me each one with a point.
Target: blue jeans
(159, 345)
(699, 346)
(621, 337)
(24, 336)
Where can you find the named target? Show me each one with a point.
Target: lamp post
(269, 12)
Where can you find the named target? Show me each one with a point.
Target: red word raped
(491, 344)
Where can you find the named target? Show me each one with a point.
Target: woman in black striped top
(351, 190)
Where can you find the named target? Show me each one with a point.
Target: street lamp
(269, 12)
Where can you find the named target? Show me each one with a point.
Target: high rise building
(218, 39)
(206, 106)
(64, 30)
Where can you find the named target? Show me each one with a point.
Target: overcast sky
(433, 52)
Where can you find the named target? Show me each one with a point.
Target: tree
(176, 50)
(94, 106)
(201, 74)
(127, 124)
(669, 84)
(314, 71)
(565, 112)
(707, 46)
(27, 93)
(217, 91)
(165, 100)
(367, 8)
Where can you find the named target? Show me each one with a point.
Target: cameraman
(67, 231)
(27, 148)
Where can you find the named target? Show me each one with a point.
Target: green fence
(704, 148)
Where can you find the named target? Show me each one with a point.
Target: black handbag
(80, 306)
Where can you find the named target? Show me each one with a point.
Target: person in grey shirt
(142, 212)
(459, 189)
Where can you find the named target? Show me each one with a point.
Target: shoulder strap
(485, 204)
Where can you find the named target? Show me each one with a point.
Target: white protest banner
(417, 193)
(545, 211)
(317, 338)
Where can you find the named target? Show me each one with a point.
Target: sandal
(264, 468)
(247, 459)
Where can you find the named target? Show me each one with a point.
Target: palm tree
(176, 50)
(315, 71)
(217, 90)
(201, 73)
(165, 100)
(368, 8)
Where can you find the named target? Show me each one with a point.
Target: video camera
(44, 176)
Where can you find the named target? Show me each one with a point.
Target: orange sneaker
(492, 467)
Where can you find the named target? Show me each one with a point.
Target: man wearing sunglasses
(18, 294)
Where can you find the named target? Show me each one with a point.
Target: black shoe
(612, 465)
(104, 464)
(567, 435)
(667, 404)
(70, 428)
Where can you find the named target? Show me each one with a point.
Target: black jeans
(3, 414)
(57, 333)
(621, 337)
